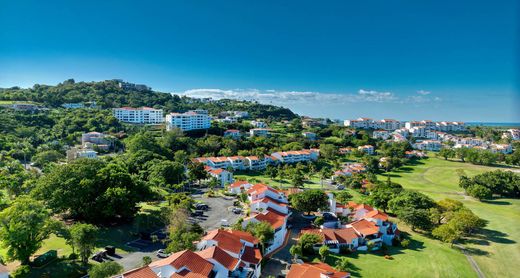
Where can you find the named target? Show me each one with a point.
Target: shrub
(73, 256)
(388, 257)
(21, 271)
(344, 250)
(405, 243)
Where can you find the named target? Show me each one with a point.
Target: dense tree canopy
(93, 190)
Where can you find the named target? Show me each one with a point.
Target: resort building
(232, 133)
(142, 115)
(259, 132)
(191, 120)
(315, 270)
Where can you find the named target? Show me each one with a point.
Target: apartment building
(232, 133)
(142, 115)
(296, 156)
(309, 135)
(258, 124)
(98, 139)
(428, 145)
(191, 120)
(368, 149)
(381, 134)
(258, 132)
(79, 152)
(364, 123)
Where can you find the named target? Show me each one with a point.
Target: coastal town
(211, 191)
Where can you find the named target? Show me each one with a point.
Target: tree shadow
(494, 236)
(496, 202)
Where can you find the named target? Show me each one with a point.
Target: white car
(224, 223)
(162, 254)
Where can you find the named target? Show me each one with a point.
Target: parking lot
(219, 208)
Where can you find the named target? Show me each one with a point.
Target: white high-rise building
(191, 120)
(141, 115)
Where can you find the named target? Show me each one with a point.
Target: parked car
(161, 253)
(224, 223)
(197, 212)
(237, 210)
(201, 206)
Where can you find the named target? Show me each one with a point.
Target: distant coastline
(493, 124)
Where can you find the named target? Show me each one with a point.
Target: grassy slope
(498, 251)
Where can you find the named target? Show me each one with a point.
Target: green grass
(424, 257)
(496, 251)
(313, 182)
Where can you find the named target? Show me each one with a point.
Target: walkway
(472, 261)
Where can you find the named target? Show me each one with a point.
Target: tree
(416, 218)
(165, 173)
(343, 196)
(446, 233)
(328, 151)
(324, 252)
(409, 199)
(296, 250)
(262, 231)
(92, 190)
(446, 153)
(324, 173)
(83, 238)
(182, 234)
(147, 260)
(310, 200)
(297, 178)
(307, 241)
(23, 227)
(46, 157)
(342, 264)
(196, 172)
(382, 193)
(466, 222)
(105, 270)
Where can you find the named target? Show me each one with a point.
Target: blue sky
(436, 60)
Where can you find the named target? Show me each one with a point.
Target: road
(219, 208)
(280, 262)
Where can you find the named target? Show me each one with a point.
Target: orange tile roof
(345, 235)
(225, 240)
(365, 227)
(314, 270)
(259, 188)
(376, 214)
(364, 206)
(244, 236)
(252, 255)
(267, 199)
(238, 184)
(219, 255)
(143, 272)
(271, 216)
(195, 263)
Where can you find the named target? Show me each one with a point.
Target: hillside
(109, 94)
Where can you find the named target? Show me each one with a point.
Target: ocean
(493, 124)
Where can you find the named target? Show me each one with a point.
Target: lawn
(497, 250)
(257, 177)
(424, 257)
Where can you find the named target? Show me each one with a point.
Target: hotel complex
(141, 115)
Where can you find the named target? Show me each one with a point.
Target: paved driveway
(219, 208)
(279, 264)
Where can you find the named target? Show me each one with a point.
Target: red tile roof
(365, 227)
(143, 272)
(238, 184)
(345, 235)
(219, 255)
(267, 199)
(230, 240)
(188, 259)
(245, 236)
(271, 216)
(314, 270)
(259, 188)
(252, 255)
(376, 214)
